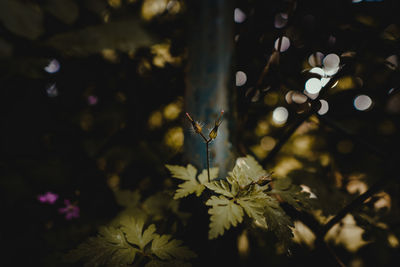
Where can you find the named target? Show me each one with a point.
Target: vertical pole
(209, 81)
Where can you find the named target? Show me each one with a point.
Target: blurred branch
(352, 206)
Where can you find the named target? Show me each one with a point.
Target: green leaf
(224, 188)
(133, 230)
(167, 249)
(188, 174)
(254, 206)
(224, 213)
(278, 221)
(179, 172)
(108, 248)
(246, 171)
(292, 194)
(187, 188)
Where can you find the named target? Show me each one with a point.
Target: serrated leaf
(246, 171)
(278, 221)
(291, 193)
(109, 248)
(133, 230)
(254, 206)
(223, 187)
(203, 176)
(187, 188)
(187, 173)
(191, 185)
(167, 249)
(224, 213)
(112, 235)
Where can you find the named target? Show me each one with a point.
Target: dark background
(64, 145)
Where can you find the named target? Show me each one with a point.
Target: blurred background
(93, 95)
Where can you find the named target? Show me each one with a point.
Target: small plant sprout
(212, 135)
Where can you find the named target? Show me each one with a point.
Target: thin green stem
(208, 161)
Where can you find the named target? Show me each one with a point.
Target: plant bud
(214, 132)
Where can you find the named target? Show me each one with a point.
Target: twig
(352, 206)
(208, 161)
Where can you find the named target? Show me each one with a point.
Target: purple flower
(92, 100)
(71, 210)
(48, 197)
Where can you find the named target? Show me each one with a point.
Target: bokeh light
(309, 95)
(331, 64)
(318, 71)
(313, 86)
(284, 45)
(172, 110)
(52, 90)
(53, 66)
(324, 107)
(155, 120)
(241, 78)
(243, 244)
(315, 59)
(392, 62)
(280, 20)
(362, 102)
(92, 100)
(280, 115)
(267, 143)
(152, 8)
(324, 81)
(239, 15)
(174, 138)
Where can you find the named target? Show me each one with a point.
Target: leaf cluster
(128, 243)
(249, 190)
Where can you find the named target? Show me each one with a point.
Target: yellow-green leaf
(246, 171)
(223, 187)
(187, 173)
(224, 213)
(133, 230)
(167, 249)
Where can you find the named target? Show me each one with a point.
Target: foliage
(245, 191)
(191, 184)
(120, 246)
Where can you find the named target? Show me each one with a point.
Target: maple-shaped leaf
(254, 206)
(247, 171)
(184, 173)
(278, 221)
(291, 193)
(191, 184)
(167, 249)
(108, 248)
(133, 230)
(224, 213)
(224, 188)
